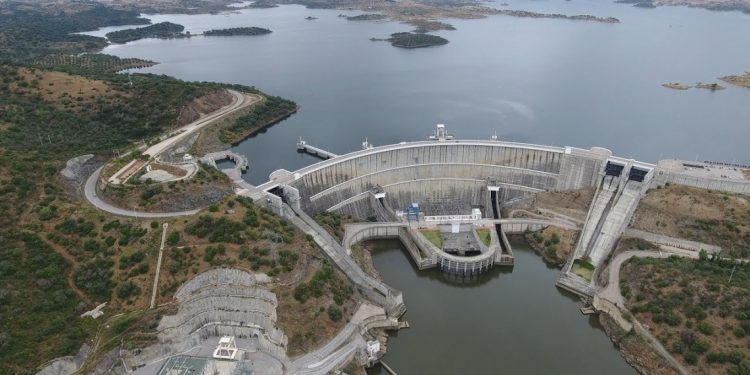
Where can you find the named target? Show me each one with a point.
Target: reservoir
(545, 81)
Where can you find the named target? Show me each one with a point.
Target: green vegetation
(163, 30)
(90, 63)
(416, 40)
(29, 31)
(237, 31)
(59, 258)
(694, 308)
(36, 304)
(434, 236)
(324, 279)
(484, 236)
(367, 17)
(268, 112)
(583, 268)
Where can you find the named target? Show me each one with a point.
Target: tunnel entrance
(279, 192)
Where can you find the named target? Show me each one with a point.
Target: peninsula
(162, 30)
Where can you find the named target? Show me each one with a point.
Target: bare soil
(573, 203)
(204, 105)
(713, 217)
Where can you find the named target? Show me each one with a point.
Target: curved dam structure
(454, 189)
(440, 176)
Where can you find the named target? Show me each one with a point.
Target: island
(676, 86)
(738, 80)
(237, 31)
(415, 40)
(710, 86)
(162, 30)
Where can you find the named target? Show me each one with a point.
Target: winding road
(241, 101)
(89, 191)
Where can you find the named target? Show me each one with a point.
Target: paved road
(187, 130)
(89, 191)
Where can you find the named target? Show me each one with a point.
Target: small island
(676, 86)
(710, 86)
(413, 40)
(161, 30)
(237, 31)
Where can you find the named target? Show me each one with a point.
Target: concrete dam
(458, 188)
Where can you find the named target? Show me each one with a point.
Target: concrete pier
(302, 146)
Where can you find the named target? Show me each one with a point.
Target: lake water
(542, 81)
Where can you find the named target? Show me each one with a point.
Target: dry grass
(712, 217)
(573, 203)
(65, 91)
(171, 169)
(746, 172)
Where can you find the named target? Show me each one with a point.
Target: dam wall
(447, 171)
(719, 184)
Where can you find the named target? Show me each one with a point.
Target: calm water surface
(533, 80)
(503, 323)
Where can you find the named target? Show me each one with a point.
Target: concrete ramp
(597, 212)
(615, 222)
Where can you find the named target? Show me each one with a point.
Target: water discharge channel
(503, 322)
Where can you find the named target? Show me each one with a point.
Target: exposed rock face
(203, 105)
(75, 167)
(66, 365)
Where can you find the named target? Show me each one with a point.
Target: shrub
(700, 346)
(127, 289)
(706, 328)
(690, 358)
(334, 313)
(173, 238)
